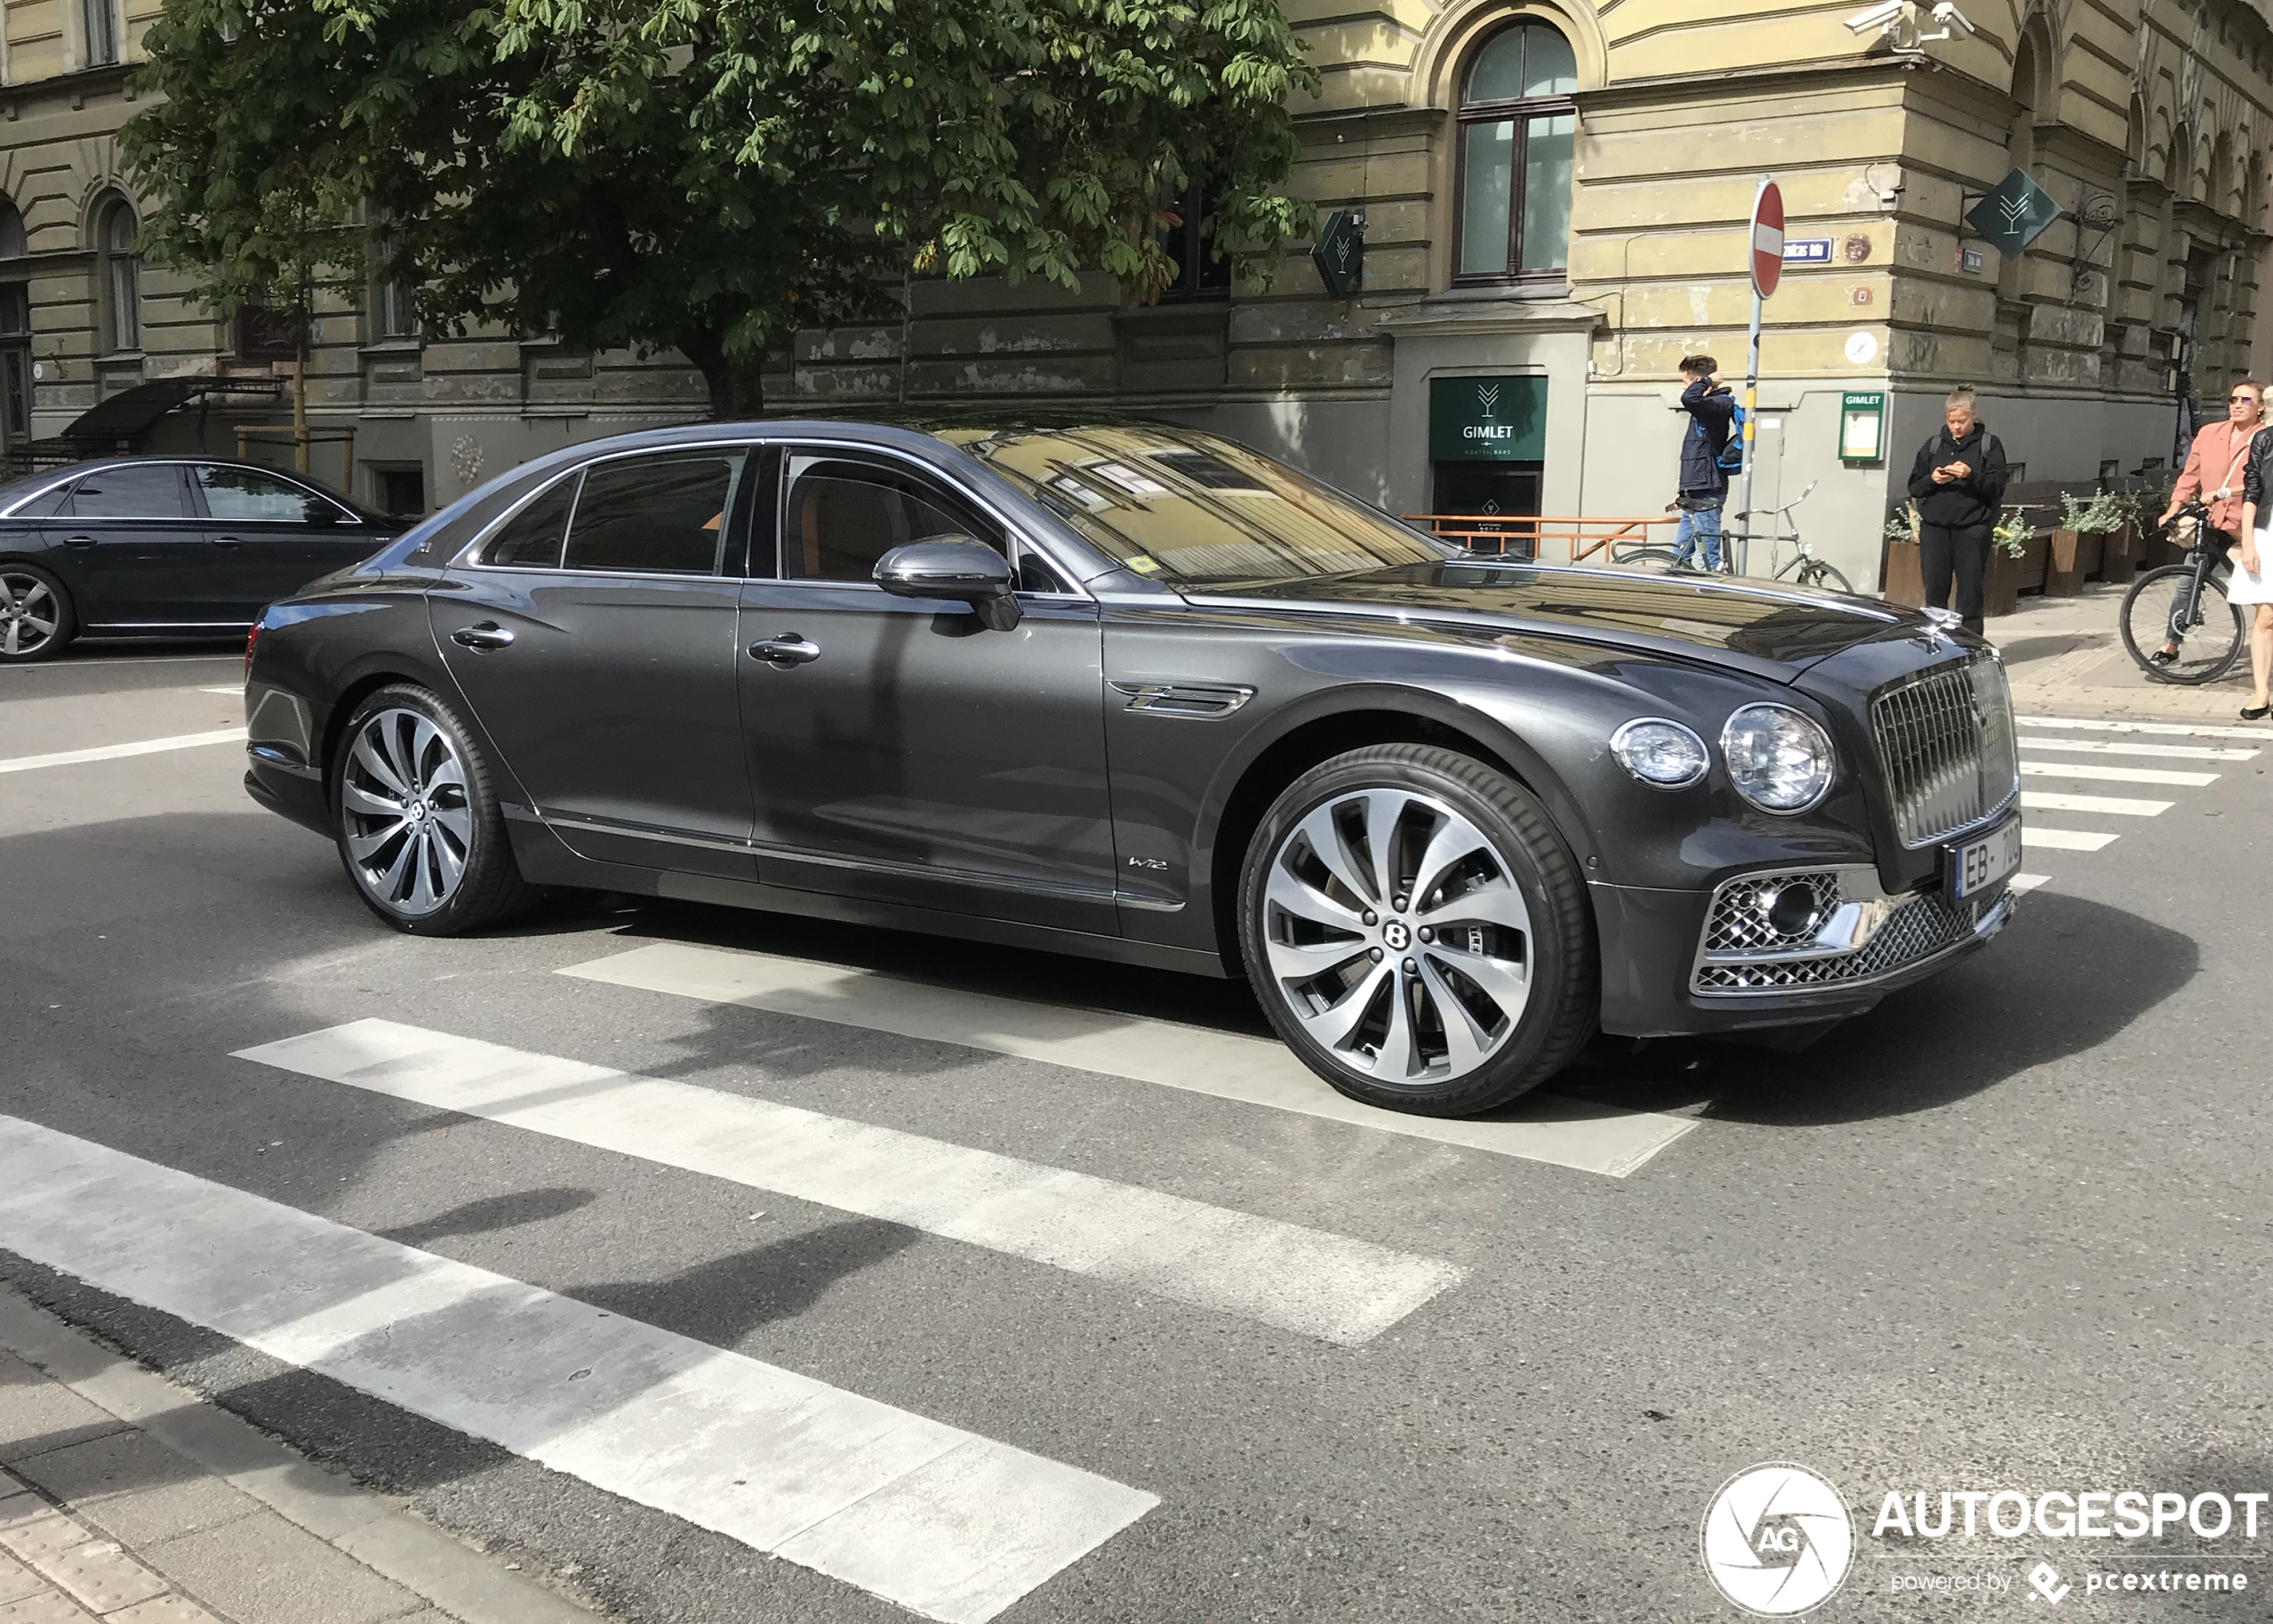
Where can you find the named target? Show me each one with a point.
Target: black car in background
(1130, 691)
(141, 546)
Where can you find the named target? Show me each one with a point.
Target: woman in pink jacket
(2213, 472)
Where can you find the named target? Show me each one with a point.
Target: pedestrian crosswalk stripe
(2029, 882)
(112, 752)
(2114, 806)
(941, 1521)
(2173, 752)
(1301, 1280)
(2115, 775)
(1230, 1065)
(2177, 730)
(2063, 839)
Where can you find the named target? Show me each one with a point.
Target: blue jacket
(1711, 411)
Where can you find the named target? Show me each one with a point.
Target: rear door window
(665, 514)
(246, 496)
(532, 539)
(135, 490)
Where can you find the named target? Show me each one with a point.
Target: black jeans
(2218, 541)
(1962, 552)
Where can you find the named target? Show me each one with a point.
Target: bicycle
(2195, 615)
(1805, 568)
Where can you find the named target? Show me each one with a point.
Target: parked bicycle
(1804, 569)
(2176, 622)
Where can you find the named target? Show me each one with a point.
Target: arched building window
(120, 270)
(1516, 125)
(13, 244)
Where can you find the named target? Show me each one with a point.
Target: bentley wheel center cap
(1397, 935)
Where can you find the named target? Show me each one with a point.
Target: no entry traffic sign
(1767, 238)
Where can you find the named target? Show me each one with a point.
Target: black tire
(27, 635)
(1383, 971)
(1816, 573)
(2206, 649)
(1656, 557)
(439, 820)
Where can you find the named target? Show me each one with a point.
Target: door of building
(1487, 447)
(15, 368)
(1487, 490)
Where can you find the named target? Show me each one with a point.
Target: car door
(275, 536)
(593, 634)
(913, 755)
(131, 553)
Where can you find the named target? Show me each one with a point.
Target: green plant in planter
(2013, 533)
(2095, 515)
(1899, 526)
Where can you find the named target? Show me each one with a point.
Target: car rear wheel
(36, 618)
(419, 825)
(1418, 932)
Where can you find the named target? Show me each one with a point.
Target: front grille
(1739, 922)
(1920, 928)
(1946, 744)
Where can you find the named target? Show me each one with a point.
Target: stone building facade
(1555, 195)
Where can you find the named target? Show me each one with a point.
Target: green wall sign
(1487, 420)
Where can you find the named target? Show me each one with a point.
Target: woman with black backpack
(1958, 480)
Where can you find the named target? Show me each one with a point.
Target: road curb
(447, 1573)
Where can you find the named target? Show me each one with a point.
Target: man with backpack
(1704, 477)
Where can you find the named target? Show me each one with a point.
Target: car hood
(1774, 630)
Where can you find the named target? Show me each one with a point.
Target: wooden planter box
(1905, 582)
(2001, 586)
(2076, 559)
(2119, 560)
(2035, 560)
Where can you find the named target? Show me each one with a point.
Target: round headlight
(1662, 754)
(1778, 758)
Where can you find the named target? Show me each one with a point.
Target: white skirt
(2245, 587)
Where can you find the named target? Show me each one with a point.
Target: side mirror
(955, 567)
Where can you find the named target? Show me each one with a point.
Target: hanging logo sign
(1340, 254)
(2013, 214)
(1767, 238)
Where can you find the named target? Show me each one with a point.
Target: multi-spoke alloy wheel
(419, 828)
(1417, 931)
(35, 618)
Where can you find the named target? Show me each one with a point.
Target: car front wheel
(1418, 932)
(35, 615)
(419, 825)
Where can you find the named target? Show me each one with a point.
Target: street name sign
(2013, 214)
(1807, 251)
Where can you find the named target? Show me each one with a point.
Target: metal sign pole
(1751, 423)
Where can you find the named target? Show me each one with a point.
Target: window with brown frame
(1517, 126)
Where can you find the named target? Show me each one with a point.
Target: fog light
(1793, 910)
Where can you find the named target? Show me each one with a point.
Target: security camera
(1954, 23)
(1879, 19)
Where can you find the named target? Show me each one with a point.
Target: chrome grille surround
(1946, 748)
(1740, 955)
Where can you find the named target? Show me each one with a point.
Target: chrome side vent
(1201, 700)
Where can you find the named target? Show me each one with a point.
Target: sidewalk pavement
(2065, 658)
(127, 1499)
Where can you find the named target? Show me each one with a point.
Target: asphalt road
(2008, 1231)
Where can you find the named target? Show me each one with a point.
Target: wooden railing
(1523, 535)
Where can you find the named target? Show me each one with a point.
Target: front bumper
(1661, 977)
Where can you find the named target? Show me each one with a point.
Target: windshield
(1192, 510)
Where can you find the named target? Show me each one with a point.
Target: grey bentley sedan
(1127, 690)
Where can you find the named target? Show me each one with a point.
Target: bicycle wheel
(2162, 605)
(1816, 573)
(1656, 557)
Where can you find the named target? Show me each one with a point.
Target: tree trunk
(736, 389)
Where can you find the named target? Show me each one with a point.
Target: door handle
(225, 541)
(79, 541)
(483, 637)
(785, 651)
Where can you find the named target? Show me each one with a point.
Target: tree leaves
(713, 174)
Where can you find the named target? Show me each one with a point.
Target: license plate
(1984, 864)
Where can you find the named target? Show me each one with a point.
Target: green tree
(713, 176)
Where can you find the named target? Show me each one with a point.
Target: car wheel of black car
(36, 617)
(1418, 932)
(419, 825)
